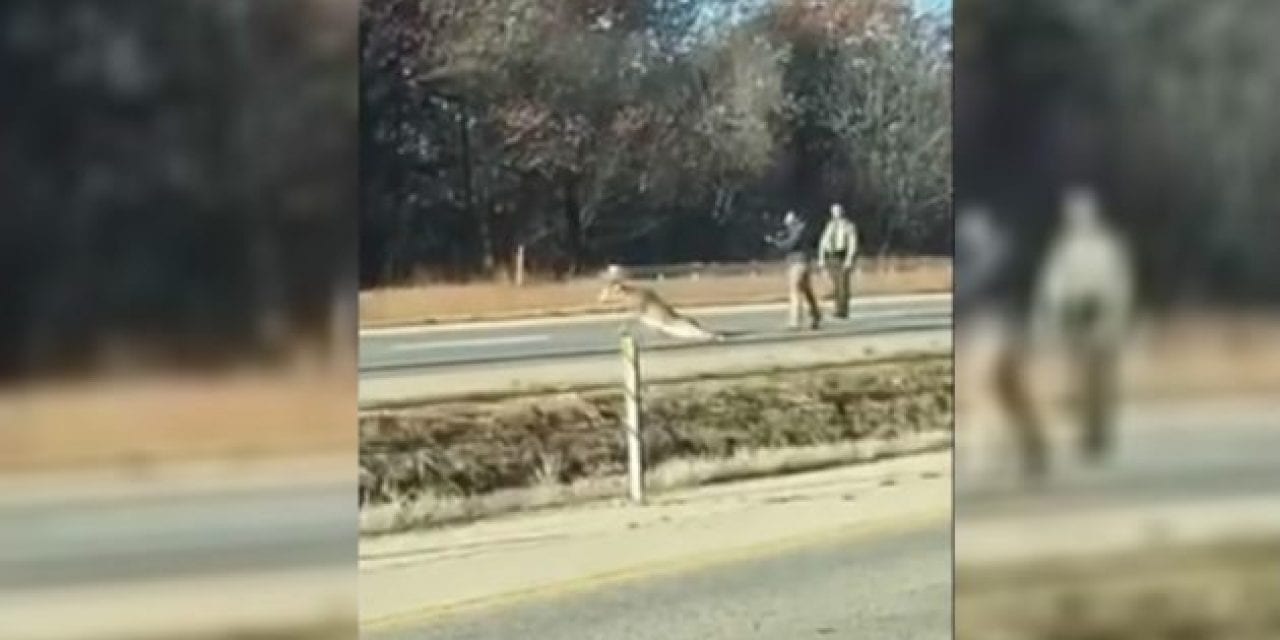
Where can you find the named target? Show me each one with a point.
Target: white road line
(471, 342)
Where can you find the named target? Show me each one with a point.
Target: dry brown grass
(1195, 355)
(140, 423)
(679, 473)
(1209, 353)
(458, 302)
(440, 463)
(1225, 591)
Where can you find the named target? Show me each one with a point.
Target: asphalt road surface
(404, 351)
(78, 541)
(896, 587)
(1176, 452)
(1184, 472)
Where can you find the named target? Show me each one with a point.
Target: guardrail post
(632, 424)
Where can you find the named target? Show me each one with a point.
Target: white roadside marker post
(631, 396)
(520, 265)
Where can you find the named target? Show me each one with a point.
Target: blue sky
(932, 6)
(712, 10)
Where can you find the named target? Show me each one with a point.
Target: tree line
(179, 179)
(643, 131)
(1165, 106)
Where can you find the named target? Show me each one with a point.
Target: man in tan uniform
(836, 250)
(1084, 307)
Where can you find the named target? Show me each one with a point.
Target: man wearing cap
(791, 241)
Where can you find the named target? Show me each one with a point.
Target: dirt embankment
(464, 450)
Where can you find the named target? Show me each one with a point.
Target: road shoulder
(413, 578)
(661, 366)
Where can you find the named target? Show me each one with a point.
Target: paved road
(896, 587)
(403, 351)
(1179, 451)
(1190, 468)
(194, 550)
(73, 541)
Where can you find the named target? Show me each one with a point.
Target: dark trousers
(839, 275)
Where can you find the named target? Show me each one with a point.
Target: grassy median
(450, 462)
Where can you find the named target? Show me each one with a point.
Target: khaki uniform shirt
(839, 237)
